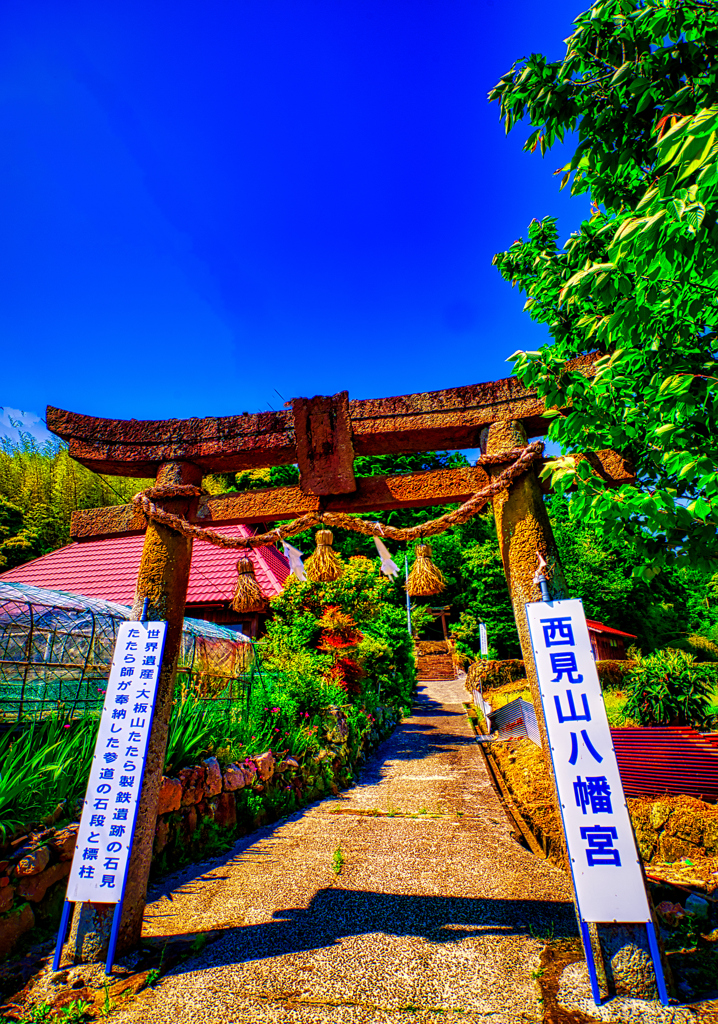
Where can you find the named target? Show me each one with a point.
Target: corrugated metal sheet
(510, 720)
(107, 569)
(673, 759)
(652, 761)
(532, 729)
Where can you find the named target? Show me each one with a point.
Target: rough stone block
(336, 726)
(710, 837)
(250, 772)
(35, 887)
(660, 813)
(671, 848)
(90, 932)
(34, 862)
(646, 839)
(7, 895)
(265, 766)
(192, 780)
(13, 927)
(213, 783)
(686, 824)
(226, 811)
(190, 819)
(697, 906)
(162, 832)
(170, 795)
(64, 841)
(629, 968)
(233, 778)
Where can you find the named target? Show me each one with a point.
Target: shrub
(700, 647)
(351, 631)
(613, 673)
(495, 673)
(669, 688)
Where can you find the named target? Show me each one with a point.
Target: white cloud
(14, 422)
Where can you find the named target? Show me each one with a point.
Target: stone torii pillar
(620, 952)
(162, 581)
(524, 532)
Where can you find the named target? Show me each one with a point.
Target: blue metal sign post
(107, 826)
(606, 870)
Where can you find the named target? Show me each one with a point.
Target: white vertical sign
(104, 840)
(606, 870)
(483, 639)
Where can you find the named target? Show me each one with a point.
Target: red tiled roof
(600, 627)
(107, 568)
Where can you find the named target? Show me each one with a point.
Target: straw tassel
(325, 564)
(247, 594)
(425, 578)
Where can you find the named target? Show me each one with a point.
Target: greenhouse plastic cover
(21, 593)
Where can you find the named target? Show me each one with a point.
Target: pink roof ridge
(601, 627)
(107, 568)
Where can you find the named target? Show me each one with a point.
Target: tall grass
(49, 762)
(43, 766)
(271, 715)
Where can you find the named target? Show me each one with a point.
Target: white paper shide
(604, 861)
(104, 841)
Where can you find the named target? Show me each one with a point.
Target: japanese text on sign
(108, 817)
(606, 872)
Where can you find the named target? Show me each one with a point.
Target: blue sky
(207, 206)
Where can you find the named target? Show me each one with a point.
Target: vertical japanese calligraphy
(108, 817)
(599, 837)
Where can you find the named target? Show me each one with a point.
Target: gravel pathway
(431, 917)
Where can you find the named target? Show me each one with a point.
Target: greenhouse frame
(56, 651)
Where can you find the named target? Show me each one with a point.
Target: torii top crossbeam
(323, 435)
(303, 434)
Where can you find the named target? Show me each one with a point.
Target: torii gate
(322, 435)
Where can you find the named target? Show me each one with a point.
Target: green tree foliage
(676, 604)
(308, 617)
(40, 487)
(637, 92)
(599, 570)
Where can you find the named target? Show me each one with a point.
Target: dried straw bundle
(425, 578)
(247, 595)
(325, 564)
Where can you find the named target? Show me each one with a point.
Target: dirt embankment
(677, 836)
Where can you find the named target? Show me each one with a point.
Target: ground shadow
(411, 740)
(335, 913)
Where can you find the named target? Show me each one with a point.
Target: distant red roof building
(607, 642)
(107, 568)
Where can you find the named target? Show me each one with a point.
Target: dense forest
(40, 485)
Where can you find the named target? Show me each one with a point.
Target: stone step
(435, 666)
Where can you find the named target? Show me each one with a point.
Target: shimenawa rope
(524, 458)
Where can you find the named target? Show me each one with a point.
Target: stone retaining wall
(200, 812)
(667, 828)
